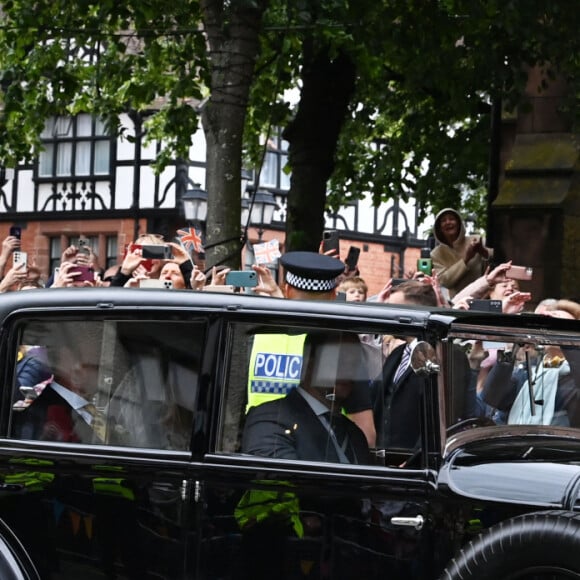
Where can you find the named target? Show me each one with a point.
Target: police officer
(276, 359)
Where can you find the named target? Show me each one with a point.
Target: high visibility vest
(275, 366)
(260, 506)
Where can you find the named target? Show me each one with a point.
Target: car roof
(110, 299)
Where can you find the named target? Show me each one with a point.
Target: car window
(515, 381)
(113, 382)
(313, 394)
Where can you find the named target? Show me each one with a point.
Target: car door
(267, 515)
(87, 502)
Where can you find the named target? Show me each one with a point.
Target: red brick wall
(375, 263)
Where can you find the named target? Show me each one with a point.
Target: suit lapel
(392, 363)
(311, 424)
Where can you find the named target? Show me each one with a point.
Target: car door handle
(416, 522)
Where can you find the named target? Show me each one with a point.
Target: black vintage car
(176, 454)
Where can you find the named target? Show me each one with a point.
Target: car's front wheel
(536, 546)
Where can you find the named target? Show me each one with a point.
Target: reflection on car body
(178, 472)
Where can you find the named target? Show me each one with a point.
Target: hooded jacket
(449, 261)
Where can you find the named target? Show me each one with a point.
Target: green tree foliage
(104, 58)
(395, 94)
(427, 72)
(152, 57)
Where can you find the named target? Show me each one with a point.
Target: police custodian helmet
(311, 271)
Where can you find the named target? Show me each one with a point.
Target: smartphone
(485, 305)
(153, 283)
(83, 247)
(242, 278)
(352, 258)
(425, 265)
(156, 252)
(340, 297)
(86, 274)
(19, 257)
(16, 231)
(331, 241)
(520, 272)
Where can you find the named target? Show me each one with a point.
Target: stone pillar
(536, 214)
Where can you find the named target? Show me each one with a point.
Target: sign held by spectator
(267, 252)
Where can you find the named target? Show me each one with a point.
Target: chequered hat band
(310, 284)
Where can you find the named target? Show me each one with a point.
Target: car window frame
(11, 338)
(391, 325)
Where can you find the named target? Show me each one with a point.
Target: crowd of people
(461, 271)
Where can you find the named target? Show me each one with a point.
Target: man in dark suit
(397, 393)
(397, 402)
(307, 423)
(398, 390)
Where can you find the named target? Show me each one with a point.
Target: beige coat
(449, 261)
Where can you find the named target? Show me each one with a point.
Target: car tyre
(534, 546)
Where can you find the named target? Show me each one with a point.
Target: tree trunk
(328, 86)
(232, 34)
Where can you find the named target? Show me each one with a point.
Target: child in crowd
(355, 289)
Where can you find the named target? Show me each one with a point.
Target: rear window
(106, 382)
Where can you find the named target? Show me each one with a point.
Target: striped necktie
(403, 364)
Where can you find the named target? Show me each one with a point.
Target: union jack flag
(267, 252)
(191, 238)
